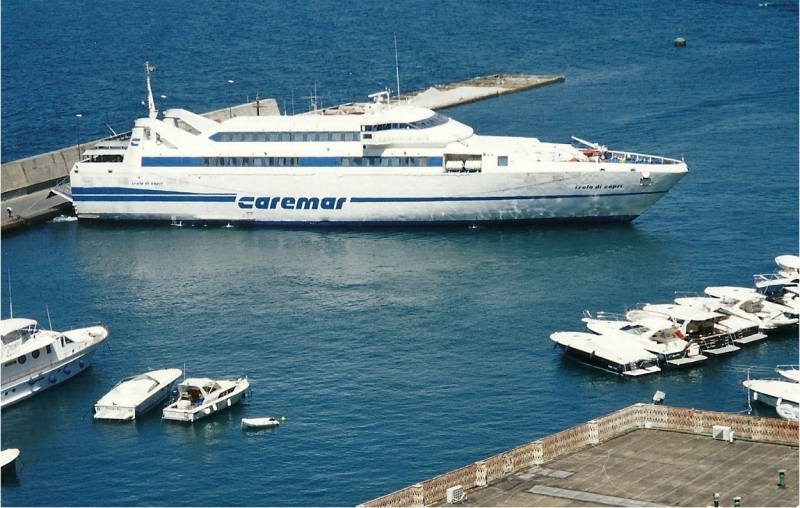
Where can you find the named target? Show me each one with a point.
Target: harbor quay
(642, 455)
(30, 186)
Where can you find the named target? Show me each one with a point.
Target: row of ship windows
(295, 161)
(262, 137)
(22, 359)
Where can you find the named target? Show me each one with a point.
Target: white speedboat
(743, 327)
(658, 335)
(611, 353)
(696, 325)
(260, 423)
(750, 304)
(201, 397)
(34, 359)
(773, 391)
(790, 372)
(783, 285)
(788, 411)
(136, 395)
(378, 163)
(8, 461)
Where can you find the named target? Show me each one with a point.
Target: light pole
(230, 104)
(78, 132)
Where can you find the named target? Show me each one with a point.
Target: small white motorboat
(8, 461)
(791, 372)
(773, 392)
(788, 411)
(260, 423)
(136, 395)
(200, 397)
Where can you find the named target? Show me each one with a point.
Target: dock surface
(642, 455)
(650, 467)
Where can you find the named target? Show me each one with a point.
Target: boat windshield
(22, 334)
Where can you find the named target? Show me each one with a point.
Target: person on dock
(8, 210)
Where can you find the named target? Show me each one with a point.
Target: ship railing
(614, 156)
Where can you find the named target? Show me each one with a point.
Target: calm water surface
(395, 355)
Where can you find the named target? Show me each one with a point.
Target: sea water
(395, 355)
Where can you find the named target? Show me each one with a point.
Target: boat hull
(321, 196)
(192, 414)
(41, 379)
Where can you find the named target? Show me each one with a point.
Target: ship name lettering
(290, 203)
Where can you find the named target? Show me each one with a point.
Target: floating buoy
(680, 42)
(283, 419)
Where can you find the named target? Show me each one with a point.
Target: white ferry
(379, 163)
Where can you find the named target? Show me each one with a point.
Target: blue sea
(395, 355)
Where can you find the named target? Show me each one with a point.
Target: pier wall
(33, 174)
(638, 416)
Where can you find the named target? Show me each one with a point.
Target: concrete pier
(27, 183)
(642, 455)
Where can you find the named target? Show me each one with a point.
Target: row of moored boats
(35, 359)
(691, 329)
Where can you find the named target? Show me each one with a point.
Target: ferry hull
(361, 199)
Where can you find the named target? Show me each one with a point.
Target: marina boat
(614, 354)
(35, 359)
(790, 372)
(136, 395)
(773, 392)
(657, 335)
(259, 423)
(742, 327)
(696, 325)
(201, 397)
(8, 461)
(783, 285)
(750, 304)
(788, 411)
(385, 162)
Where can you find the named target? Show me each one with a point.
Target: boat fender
(660, 359)
(67, 371)
(679, 334)
(52, 378)
(80, 363)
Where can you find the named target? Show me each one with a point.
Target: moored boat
(201, 397)
(658, 335)
(260, 423)
(136, 395)
(35, 359)
(381, 163)
(743, 328)
(750, 304)
(8, 461)
(696, 325)
(610, 353)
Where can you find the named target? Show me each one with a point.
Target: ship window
(260, 136)
(248, 136)
(22, 359)
(502, 160)
(384, 161)
(205, 161)
(9, 364)
(47, 348)
(35, 354)
(336, 136)
(218, 161)
(395, 161)
(345, 161)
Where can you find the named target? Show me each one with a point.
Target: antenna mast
(151, 104)
(396, 67)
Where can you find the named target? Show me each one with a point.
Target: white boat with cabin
(134, 396)
(658, 335)
(201, 397)
(618, 355)
(381, 163)
(744, 328)
(696, 325)
(34, 359)
(750, 304)
(783, 285)
(773, 392)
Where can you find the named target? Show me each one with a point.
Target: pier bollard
(782, 478)
(716, 499)
(737, 501)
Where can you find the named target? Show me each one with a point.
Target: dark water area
(395, 355)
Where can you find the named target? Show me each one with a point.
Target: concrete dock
(643, 455)
(27, 183)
